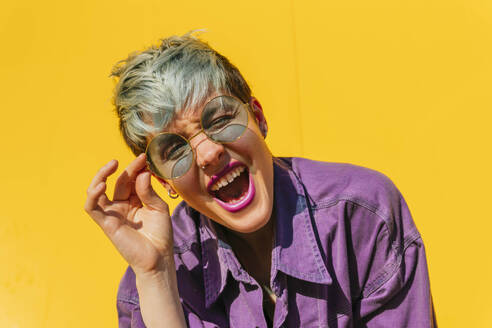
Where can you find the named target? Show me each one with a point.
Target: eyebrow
(169, 127)
(199, 107)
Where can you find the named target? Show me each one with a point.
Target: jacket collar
(295, 252)
(218, 261)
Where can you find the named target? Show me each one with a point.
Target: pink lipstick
(233, 188)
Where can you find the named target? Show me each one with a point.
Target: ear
(260, 117)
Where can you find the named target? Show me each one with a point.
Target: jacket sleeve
(128, 306)
(378, 246)
(391, 262)
(400, 295)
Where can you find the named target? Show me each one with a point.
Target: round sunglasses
(224, 119)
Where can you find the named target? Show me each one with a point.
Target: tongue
(235, 189)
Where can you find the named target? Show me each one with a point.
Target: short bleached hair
(154, 84)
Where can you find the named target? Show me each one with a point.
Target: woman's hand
(137, 220)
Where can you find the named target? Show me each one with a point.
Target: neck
(259, 242)
(254, 250)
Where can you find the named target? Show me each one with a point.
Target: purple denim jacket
(346, 254)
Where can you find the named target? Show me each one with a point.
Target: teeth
(225, 180)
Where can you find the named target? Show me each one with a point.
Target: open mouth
(233, 189)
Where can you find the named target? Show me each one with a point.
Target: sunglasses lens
(224, 119)
(169, 155)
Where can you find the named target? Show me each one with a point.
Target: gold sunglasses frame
(248, 110)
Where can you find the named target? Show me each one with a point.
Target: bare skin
(253, 252)
(138, 223)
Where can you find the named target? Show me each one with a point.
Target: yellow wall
(402, 87)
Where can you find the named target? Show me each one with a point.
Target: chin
(254, 216)
(250, 222)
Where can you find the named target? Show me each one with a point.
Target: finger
(103, 173)
(147, 194)
(126, 181)
(96, 198)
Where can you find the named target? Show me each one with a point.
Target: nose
(208, 153)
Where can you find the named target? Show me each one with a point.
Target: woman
(258, 241)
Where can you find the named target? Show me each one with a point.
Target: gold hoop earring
(173, 195)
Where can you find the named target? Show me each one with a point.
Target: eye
(174, 151)
(220, 113)
(221, 121)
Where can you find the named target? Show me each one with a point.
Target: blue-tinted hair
(154, 84)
